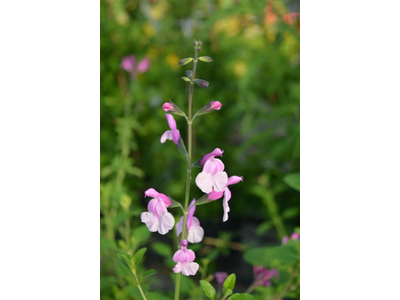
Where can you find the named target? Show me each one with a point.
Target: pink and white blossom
(172, 134)
(214, 195)
(213, 175)
(143, 65)
(158, 218)
(195, 232)
(184, 259)
(293, 236)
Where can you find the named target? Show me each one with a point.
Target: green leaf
(156, 296)
(186, 79)
(126, 260)
(141, 234)
(138, 257)
(293, 180)
(185, 61)
(208, 289)
(229, 283)
(149, 273)
(206, 59)
(241, 296)
(175, 204)
(202, 83)
(162, 249)
(227, 293)
(271, 256)
(182, 148)
(263, 228)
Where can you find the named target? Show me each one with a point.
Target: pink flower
(184, 259)
(172, 134)
(167, 106)
(220, 277)
(158, 218)
(293, 236)
(212, 176)
(216, 105)
(128, 63)
(195, 232)
(263, 276)
(227, 195)
(143, 65)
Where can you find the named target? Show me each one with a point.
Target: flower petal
(220, 180)
(157, 207)
(177, 268)
(179, 226)
(219, 165)
(192, 209)
(234, 179)
(225, 205)
(195, 234)
(205, 182)
(189, 268)
(171, 121)
(166, 136)
(216, 152)
(151, 221)
(167, 222)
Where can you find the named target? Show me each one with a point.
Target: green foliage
(242, 296)
(293, 180)
(208, 289)
(288, 254)
(229, 283)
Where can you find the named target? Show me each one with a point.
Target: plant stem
(188, 170)
(139, 286)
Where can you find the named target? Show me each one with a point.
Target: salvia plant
(213, 181)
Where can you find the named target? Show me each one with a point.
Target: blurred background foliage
(255, 74)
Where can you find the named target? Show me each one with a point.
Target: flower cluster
(213, 180)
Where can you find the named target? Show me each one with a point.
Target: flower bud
(167, 106)
(210, 107)
(216, 105)
(172, 108)
(205, 59)
(184, 243)
(202, 83)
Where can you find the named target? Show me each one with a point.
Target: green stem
(139, 286)
(188, 170)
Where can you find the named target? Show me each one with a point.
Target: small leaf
(182, 148)
(203, 200)
(186, 79)
(208, 289)
(189, 73)
(229, 283)
(175, 204)
(293, 180)
(201, 83)
(227, 293)
(206, 59)
(185, 61)
(241, 296)
(270, 256)
(138, 257)
(149, 273)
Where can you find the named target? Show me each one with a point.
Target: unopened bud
(185, 61)
(210, 107)
(202, 83)
(184, 243)
(205, 59)
(172, 108)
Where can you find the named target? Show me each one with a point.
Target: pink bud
(167, 106)
(295, 236)
(184, 243)
(216, 105)
(128, 63)
(143, 65)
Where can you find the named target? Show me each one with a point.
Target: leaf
(162, 249)
(185, 61)
(208, 289)
(206, 59)
(227, 293)
(202, 83)
(149, 273)
(141, 234)
(138, 257)
(241, 296)
(269, 256)
(263, 227)
(229, 283)
(175, 204)
(293, 180)
(186, 79)
(182, 148)
(126, 261)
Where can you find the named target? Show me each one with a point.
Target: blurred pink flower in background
(263, 276)
(128, 63)
(184, 259)
(293, 236)
(220, 277)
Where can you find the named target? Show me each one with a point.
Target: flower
(293, 236)
(184, 259)
(220, 277)
(227, 195)
(172, 134)
(212, 176)
(209, 107)
(143, 65)
(263, 276)
(195, 232)
(158, 218)
(128, 63)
